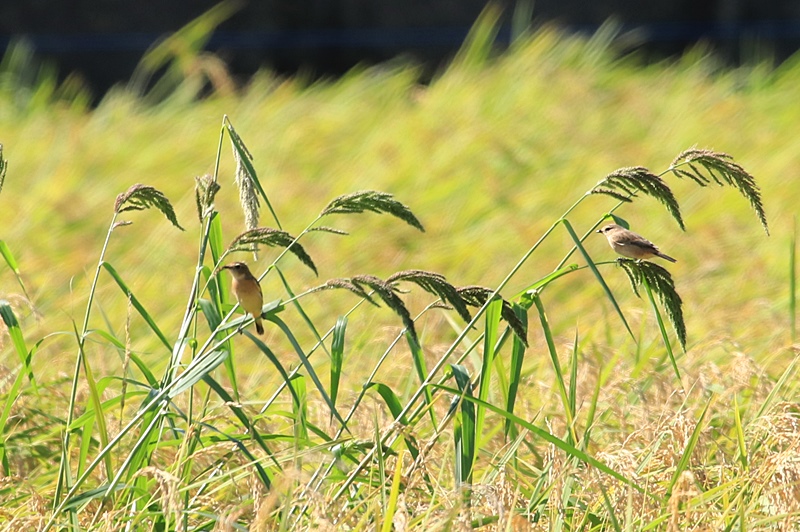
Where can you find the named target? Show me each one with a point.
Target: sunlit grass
(487, 157)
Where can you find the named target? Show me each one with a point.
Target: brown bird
(247, 291)
(629, 244)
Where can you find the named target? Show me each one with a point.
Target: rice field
(448, 343)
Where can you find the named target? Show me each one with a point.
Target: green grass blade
(737, 426)
(337, 356)
(213, 316)
(479, 44)
(11, 397)
(299, 308)
(82, 499)
(396, 408)
(546, 280)
(97, 404)
(211, 313)
(610, 507)
(573, 379)
(148, 375)
(196, 371)
(777, 388)
(515, 369)
(300, 411)
(564, 446)
(306, 363)
(216, 241)
(251, 428)
(551, 349)
(687, 452)
(15, 332)
(464, 433)
(492, 321)
(394, 494)
(664, 336)
(391, 400)
(5, 251)
(592, 410)
(287, 380)
(596, 273)
(418, 356)
(137, 305)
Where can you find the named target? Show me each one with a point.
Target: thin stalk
(195, 293)
(64, 477)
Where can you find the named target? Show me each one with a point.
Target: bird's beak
(599, 231)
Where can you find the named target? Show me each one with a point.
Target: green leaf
(300, 411)
(15, 332)
(492, 320)
(551, 349)
(663, 331)
(686, 456)
(596, 273)
(515, 369)
(197, 369)
(464, 433)
(737, 425)
(96, 401)
(12, 263)
(543, 434)
(396, 408)
(306, 363)
(137, 305)
(620, 221)
(12, 395)
(81, 500)
(544, 281)
(275, 362)
(337, 356)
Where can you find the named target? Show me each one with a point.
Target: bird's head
(238, 269)
(608, 228)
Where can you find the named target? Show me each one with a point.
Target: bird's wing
(641, 243)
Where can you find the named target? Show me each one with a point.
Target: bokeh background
(105, 40)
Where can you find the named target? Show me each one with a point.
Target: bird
(629, 244)
(247, 291)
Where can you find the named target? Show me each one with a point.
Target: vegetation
(448, 344)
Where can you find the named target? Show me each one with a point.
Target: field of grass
(107, 423)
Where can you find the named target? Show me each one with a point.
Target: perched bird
(629, 244)
(247, 291)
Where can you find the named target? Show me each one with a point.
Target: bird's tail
(260, 327)
(665, 257)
